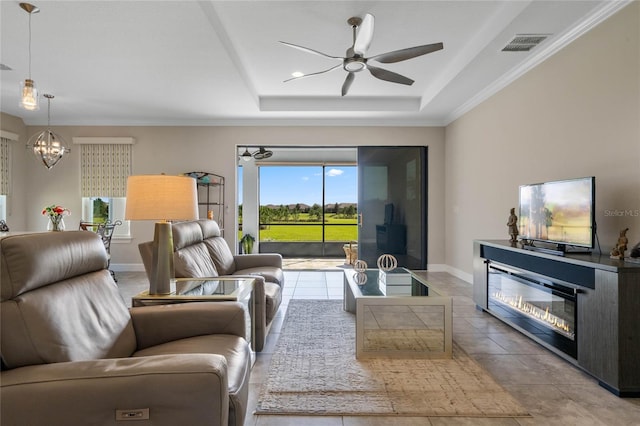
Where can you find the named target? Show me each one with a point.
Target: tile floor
(551, 389)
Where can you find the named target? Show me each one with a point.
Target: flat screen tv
(559, 212)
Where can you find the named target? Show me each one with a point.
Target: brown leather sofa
(200, 251)
(73, 354)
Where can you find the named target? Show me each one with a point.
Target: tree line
(283, 213)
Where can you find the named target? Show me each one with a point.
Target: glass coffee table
(398, 315)
(213, 289)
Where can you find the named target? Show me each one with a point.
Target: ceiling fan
(355, 60)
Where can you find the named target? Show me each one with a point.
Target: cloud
(334, 172)
(305, 177)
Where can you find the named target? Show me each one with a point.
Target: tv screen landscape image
(560, 212)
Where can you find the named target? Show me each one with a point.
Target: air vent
(4, 67)
(524, 42)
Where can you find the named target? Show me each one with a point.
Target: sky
(291, 185)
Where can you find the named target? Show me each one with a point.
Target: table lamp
(162, 198)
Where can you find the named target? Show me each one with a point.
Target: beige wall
(577, 114)
(174, 150)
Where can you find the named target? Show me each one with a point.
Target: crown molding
(590, 21)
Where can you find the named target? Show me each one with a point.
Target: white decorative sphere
(360, 278)
(359, 265)
(387, 262)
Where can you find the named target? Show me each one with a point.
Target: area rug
(314, 371)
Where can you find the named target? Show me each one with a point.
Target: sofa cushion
(62, 322)
(221, 255)
(210, 228)
(194, 261)
(185, 234)
(233, 348)
(273, 294)
(270, 273)
(61, 255)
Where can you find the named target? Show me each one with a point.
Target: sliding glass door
(392, 205)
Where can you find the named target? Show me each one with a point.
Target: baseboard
(127, 267)
(451, 270)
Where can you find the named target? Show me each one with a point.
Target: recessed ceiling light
(297, 74)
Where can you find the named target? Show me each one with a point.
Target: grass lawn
(310, 231)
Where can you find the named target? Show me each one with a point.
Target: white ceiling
(220, 63)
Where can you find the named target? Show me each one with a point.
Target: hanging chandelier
(28, 90)
(46, 145)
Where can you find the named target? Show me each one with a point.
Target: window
(102, 209)
(308, 203)
(105, 165)
(5, 170)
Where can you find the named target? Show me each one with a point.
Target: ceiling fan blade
(306, 49)
(387, 75)
(404, 54)
(347, 83)
(313, 73)
(365, 35)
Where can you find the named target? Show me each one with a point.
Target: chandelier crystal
(46, 145)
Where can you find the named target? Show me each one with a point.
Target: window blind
(104, 169)
(5, 166)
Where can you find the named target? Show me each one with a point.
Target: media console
(585, 308)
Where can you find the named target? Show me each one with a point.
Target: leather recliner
(200, 251)
(72, 353)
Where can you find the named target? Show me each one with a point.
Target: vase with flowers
(55, 214)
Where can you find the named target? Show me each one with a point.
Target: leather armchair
(72, 353)
(200, 251)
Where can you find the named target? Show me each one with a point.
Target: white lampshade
(161, 197)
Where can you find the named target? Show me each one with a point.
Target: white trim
(598, 16)
(127, 267)
(439, 267)
(79, 140)
(9, 135)
(460, 274)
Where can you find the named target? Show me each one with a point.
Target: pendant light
(28, 90)
(46, 145)
(246, 155)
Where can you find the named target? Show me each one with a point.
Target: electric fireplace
(544, 309)
(583, 307)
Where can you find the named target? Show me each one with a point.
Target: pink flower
(55, 211)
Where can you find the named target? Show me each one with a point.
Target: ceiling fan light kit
(355, 60)
(28, 89)
(262, 154)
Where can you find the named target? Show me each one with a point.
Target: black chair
(105, 230)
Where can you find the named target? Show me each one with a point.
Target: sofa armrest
(159, 324)
(246, 261)
(83, 392)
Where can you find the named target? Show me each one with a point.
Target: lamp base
(162, 272)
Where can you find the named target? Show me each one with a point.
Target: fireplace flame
(532, 311)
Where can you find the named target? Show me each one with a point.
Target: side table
(207, 289)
